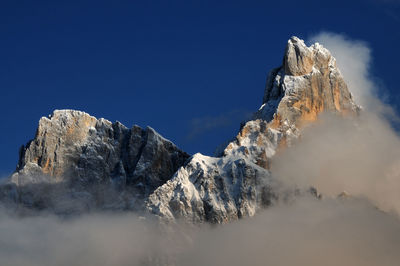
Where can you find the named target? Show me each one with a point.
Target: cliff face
(306, 85)
(75, 148)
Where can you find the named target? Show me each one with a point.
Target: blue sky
(190, 69)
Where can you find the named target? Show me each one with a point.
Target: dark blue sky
(173, 65)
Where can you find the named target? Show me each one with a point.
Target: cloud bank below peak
(357, 155)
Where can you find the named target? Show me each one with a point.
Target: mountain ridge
(151, 174)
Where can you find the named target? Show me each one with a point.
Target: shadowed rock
(76, 148)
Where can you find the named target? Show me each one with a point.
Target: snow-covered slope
(211, 189)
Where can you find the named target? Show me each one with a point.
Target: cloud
(358, 155)
(353, 57)
(201, 125)
(308, 232)
(97, 239)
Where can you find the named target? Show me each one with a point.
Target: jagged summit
(72, 145)
(76, 148)
(298, 59)
(307, 84)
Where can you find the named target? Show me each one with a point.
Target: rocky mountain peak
(73, 146)
(298, 59)
(296, 93)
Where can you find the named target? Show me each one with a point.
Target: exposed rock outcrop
(74, 147)
(308, 84)
(215, 190)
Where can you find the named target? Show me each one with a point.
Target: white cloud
(309, 232)
(353, 58)
(359, 155)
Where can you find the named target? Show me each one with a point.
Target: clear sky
(190, 69)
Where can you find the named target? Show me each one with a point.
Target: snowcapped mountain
(76, 158)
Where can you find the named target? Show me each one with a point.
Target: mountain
(72, 145)
(77, 163)
(222, 189)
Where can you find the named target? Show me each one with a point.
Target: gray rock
(216, 190)
(74, 148)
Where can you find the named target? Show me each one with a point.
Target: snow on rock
(308, 84)
(209, 189)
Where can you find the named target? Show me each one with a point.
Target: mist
(353, 58)
(309, 232)
(306, 232)
(90, 239)
(357, 155)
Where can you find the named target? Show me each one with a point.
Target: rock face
(308, 84)
(299, 59)
(149, 172)
(236, 185)
(215, 190)
(74, 147)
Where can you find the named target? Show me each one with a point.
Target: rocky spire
(298, 59)
(306, 85)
